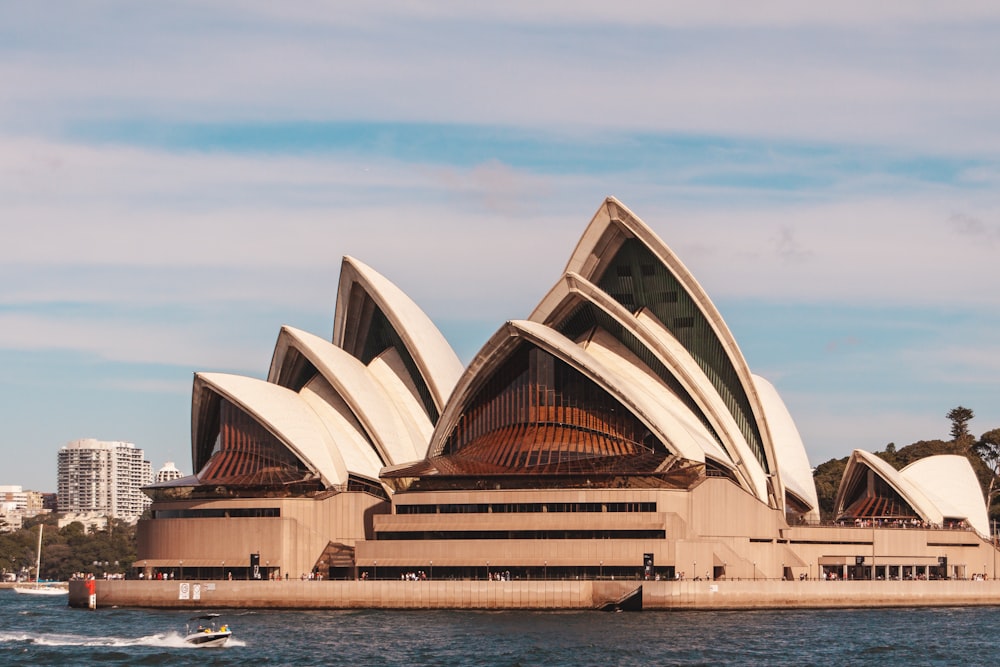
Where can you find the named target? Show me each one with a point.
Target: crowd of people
(913, 522)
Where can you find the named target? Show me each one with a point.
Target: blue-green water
(41, 631)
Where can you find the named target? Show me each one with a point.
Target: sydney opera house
(617, 431)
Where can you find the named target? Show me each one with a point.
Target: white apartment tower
(106, 478)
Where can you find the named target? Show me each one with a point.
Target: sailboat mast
(38, 559)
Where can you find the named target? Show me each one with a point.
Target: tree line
(69, 550)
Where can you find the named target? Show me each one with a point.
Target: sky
(180, 179)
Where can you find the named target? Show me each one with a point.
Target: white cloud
(133, 341)
(900, 73)
(253, 227)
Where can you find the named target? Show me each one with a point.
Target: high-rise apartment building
(103, 478)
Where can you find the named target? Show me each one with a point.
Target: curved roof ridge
(437, 362)
(284, 414)
(371, 404)
(623, 363)
(679, 360)
(357, 452)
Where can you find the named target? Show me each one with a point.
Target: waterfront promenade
(535, 594)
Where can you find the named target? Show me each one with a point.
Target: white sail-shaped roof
(284, 414)
(611, 230)
(793, 462)
(437, 364)
(912, 494)
(950, 483)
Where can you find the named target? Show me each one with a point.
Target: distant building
(91, 521)
(106, 478)
(35, 502)
(12, 499)
(50, 502)
(168, 472)
(16, 504)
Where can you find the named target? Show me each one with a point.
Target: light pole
(432, 570)
(602, 570)
(873, 549)
(755, 571)
(546, 570)
(375, 565)
(182, 569)
(223, 577)
(487, 570)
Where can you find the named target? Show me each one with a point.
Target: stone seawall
(537, 595)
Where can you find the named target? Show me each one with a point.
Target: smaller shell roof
(365, 396)
(950, 483)
(282, 412)
(437, 361)
(910, 492)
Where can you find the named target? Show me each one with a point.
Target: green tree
(889, 455)
(827, 478)
(69, 550)
(960, 418)
(988, 450)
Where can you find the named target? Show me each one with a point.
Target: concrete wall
(291, 543)
(542, 595)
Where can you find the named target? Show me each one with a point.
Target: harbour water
(42, 631)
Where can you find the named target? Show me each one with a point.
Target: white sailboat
(38, 588)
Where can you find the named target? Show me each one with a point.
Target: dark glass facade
(869, 496)
(247, 454)
(538, 414)
(637, 279)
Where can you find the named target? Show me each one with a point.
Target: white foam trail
(166, 640)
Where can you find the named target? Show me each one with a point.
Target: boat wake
(164, 640)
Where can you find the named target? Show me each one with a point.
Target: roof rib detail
(623, 256)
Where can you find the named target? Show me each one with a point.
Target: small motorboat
(203, 631)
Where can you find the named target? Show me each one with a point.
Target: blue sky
(179, 180)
